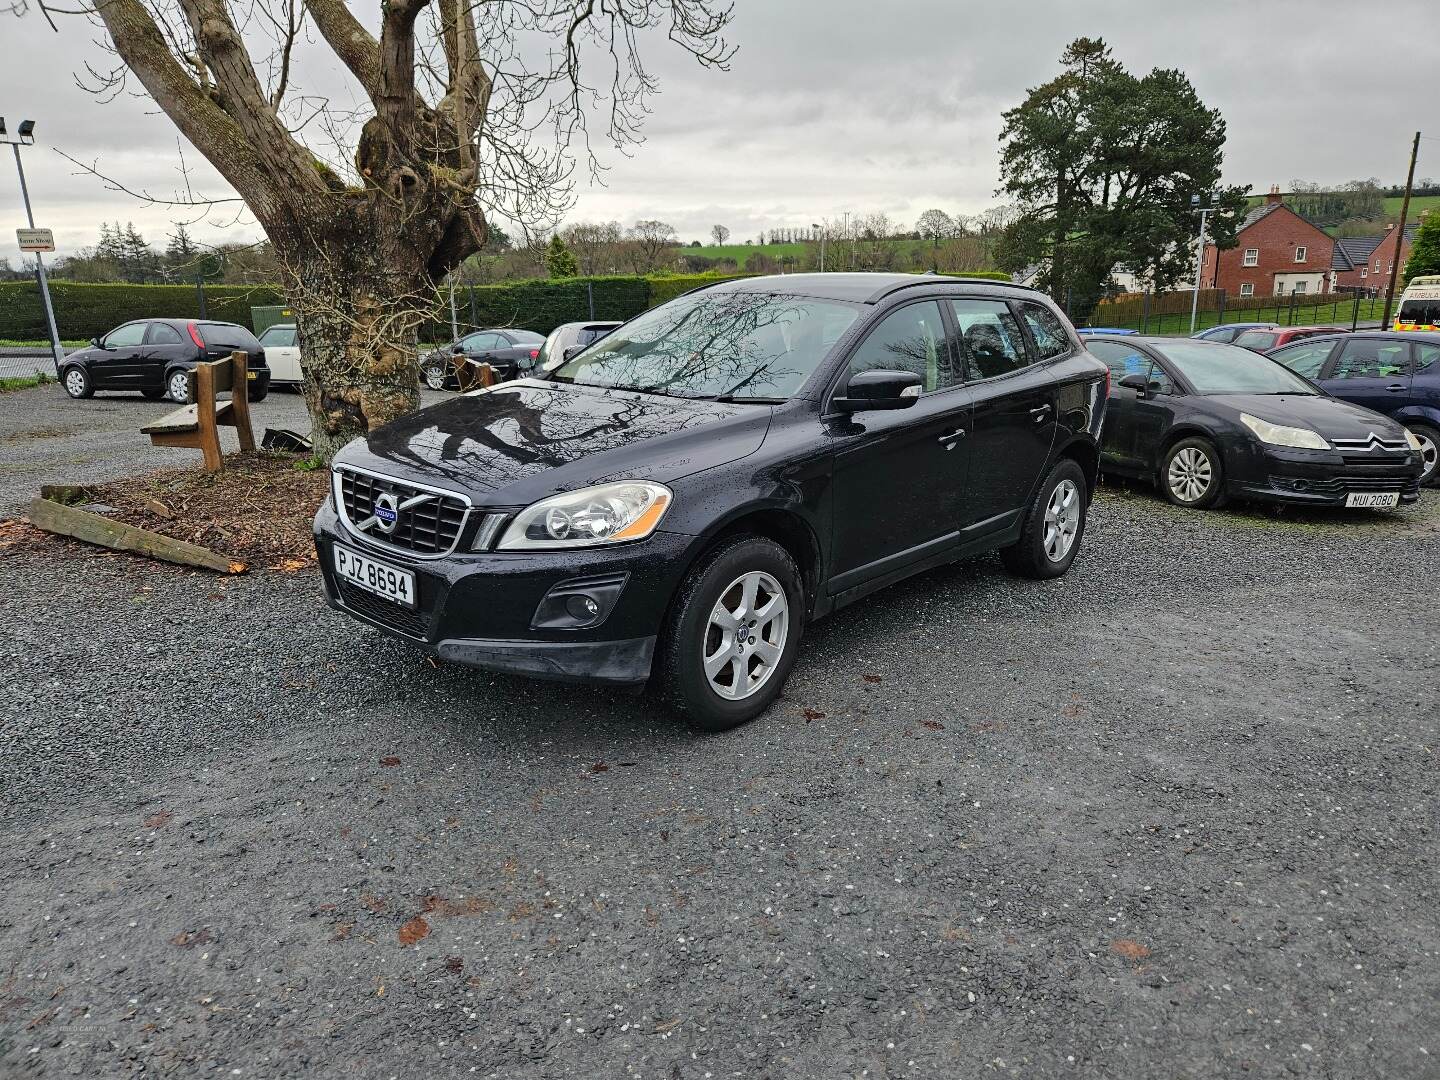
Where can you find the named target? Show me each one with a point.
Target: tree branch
(351, 42)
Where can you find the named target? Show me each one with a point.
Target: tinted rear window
(525, 337)
(1255, 339)
(227, 335)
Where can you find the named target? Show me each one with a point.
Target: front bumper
(478, 608)
(1325, 478)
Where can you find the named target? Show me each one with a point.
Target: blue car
(1230, 331)
(1397, 374)
(1095, 331)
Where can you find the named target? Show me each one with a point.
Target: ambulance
(1420, 304)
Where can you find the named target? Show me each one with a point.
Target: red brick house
(1350, 268)
(1277, 253)
(1383, 257)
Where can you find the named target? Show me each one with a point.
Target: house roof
(1352, 252)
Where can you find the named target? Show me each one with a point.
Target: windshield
(525, 337)
(1419, 313)
(1256, 339)
(731, 344)
(1213, 368)
(279, 336)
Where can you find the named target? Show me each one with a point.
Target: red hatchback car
(1264, 340)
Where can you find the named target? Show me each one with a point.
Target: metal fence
(22, 362)
(1169, 313)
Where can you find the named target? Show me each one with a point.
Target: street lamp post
(821, 231)
(25, 136)
(1199, 261)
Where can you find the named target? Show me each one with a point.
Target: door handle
(1395, 387)
(1039, 413)
(958, 433)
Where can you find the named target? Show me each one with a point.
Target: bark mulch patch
(258, 510)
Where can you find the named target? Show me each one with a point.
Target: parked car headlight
(1280, 435)
(605, 514)
(1412, 440)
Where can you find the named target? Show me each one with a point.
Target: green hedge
(543, 304)
(83, 311)
(667, 288)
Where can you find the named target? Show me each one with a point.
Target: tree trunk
(358, 310)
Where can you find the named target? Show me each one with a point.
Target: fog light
(582, 608)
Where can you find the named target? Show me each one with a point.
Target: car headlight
(1280, 435)
(1412, 440)
(604, 514)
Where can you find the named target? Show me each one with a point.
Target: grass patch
(1330, 312)
(14, 343)
(24, 382)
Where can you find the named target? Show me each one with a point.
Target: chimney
(1274, 198)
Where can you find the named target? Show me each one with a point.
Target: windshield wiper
(744, 399)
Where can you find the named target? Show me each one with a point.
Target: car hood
(522, 441)
(1329, 416)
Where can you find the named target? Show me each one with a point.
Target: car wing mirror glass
(457, 348)
(1139, 383)
(95, 341)
(879, 389)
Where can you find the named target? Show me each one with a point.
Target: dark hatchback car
(678, 500)
(1397, 374)
(154, 355)
(1207, 422)
(510, 352)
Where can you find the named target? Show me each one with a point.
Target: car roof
(863, 288)
(281, 326)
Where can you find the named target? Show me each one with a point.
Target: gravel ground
(46, 437)
(1170, 816)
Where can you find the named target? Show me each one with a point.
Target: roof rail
(929, 278)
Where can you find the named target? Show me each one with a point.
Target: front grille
(1372, 442)
(426, 522)
(413, 623)
(1338, 485)
(1375, 461)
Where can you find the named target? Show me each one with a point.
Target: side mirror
(95, 343)
(879, 389)
(1139, 383)
(573, 350)
(457, 348)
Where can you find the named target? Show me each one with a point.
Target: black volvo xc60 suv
(675, 503)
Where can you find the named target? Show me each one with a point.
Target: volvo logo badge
(387, 512)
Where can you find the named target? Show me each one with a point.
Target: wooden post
(1400, 238)
(240, 399)
(205, 417)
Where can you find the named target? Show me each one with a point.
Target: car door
(164, 346)
(899, 477)
(1014, 402)
(1373, 372)
(115, 365)
(282, 354)
(476, 345)
(1308, 358)
(1117, 438)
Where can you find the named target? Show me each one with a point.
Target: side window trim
(1019, 307)
(973, 375)
(842, 374)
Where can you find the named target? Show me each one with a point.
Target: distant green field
(741, 252)
(1418, 205)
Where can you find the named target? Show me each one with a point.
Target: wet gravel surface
(1170, 816)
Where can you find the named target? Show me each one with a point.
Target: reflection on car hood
(1329, 416)
(521, 441)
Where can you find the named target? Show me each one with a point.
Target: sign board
(35, 239)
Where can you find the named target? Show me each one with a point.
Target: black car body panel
(860, 499)
(1140, 429)
(162, 347)
(512, 353)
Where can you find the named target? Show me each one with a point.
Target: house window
(1252, 257)
(1364, 271)
(1391, 267)
(1300, 287)
(1377, 266)
(1247, 288)
(1332, 279)
(1300, 253)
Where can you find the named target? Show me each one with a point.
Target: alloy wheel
(745, 636)
(74, 382)
(1429, 454)
(435, 377)
(1190, 474)
(179, 387)
(1062, 520)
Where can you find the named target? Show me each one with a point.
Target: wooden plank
(95, 529)
(186, 419)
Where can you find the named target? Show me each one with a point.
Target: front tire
(1054, 525)
(434, 375)
(733, 634)
(77, 382)
(1193, 475)
(1429, 451)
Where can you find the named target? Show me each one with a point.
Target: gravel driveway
(1170, 816)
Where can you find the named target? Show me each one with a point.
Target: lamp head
(26, 130)
(2, 126)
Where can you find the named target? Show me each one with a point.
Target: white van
(1420, 304)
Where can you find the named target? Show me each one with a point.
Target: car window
(1306, 359)
(1256, 339)
(279, 337)
(911, 339)
(1159, 380)
(1221, 333)
(1121, 359)
(228, 336)
(123, 336)
(716, 343)
(524, 337)
(476, 342)
(990, 337)
(1425, 357)
(164, 334)
(1372, 358)
(1050, 336)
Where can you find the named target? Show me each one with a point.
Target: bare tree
(935, 225)
(594, 244)
(720, 234)
(648, 243)
(464, 107)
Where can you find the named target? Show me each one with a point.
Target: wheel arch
(1179, 433)
(1086, 454)
(778, 523)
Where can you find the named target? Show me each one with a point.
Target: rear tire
(177, 386)
(434, 375)
(1054, 525)
(1429, 450)
(77, 382)
(1193, 475)
(732, 634)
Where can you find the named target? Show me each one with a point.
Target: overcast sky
(830, 105)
